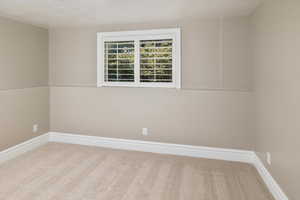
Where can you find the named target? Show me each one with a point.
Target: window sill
(139, 85)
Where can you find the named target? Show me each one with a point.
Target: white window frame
(136, 36)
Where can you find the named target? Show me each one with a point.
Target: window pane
(156, 61)
(119, 61)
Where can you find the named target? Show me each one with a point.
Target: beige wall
(213, 108)
(218, 119)
(277, 95)
(23, 55)
(213, 55)
(24, 99)
(20, 109)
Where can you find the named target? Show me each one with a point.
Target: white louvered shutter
(149, 58)
(119, 61)
(156, 61)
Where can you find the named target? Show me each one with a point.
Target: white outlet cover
(35, 128)
(269, 160)
(145, 131)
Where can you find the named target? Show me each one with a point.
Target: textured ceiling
(51, 13)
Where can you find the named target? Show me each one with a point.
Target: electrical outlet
(145, 131)
(35, 128)
(269, 158)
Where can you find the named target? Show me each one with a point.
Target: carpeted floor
(73, 172)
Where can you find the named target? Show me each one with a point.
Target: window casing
(148, 58)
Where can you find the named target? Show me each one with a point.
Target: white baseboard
(272, 185)
(154, 147)
(24, 147)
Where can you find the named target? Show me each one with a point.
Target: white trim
(100, 57)
(136, 62)
(177, 54)
(136, 36)
(132, 84)
(154, 147)
(140, 32)
(271, 183)
(24, 147)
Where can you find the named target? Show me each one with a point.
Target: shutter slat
(156, 47)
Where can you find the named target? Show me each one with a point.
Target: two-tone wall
(276, 45)
(24, 92)
(213, 108)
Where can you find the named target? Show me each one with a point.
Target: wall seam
(221, 53)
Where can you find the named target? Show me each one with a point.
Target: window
(139, 58)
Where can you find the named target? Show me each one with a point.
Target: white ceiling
(51, 13)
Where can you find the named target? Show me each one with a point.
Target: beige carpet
(74, 172)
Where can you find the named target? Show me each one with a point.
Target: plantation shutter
(148, 58)
(119, 61)
(156, 60)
